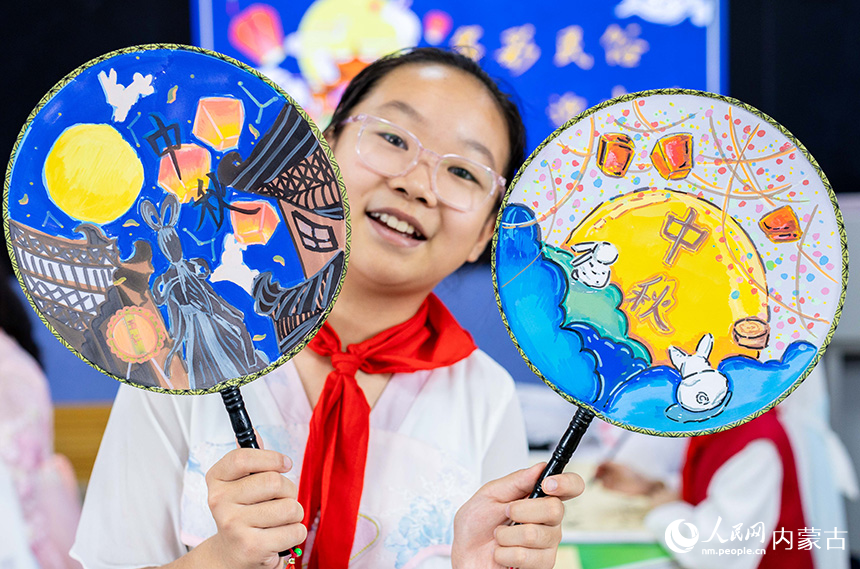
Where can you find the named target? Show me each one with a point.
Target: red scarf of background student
(335, 456)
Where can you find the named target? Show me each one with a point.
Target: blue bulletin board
(559, 58)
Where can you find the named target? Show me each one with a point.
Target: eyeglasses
(390, 150)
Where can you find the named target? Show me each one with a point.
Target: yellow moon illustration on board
(678, 254)
(92, 173)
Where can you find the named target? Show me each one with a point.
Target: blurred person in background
(39, 499)
(785, 469)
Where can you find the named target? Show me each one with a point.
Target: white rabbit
(123, 98)
(592, 265)
(702, 387)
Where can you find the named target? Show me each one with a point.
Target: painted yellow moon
(683, 269)
(92, 173)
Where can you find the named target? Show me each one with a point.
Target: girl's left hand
(483, 536)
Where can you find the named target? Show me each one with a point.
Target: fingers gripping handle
(564, 450)
(244, 431)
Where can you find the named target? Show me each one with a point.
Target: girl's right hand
(255, 508)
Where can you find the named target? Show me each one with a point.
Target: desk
(613, 556)
(604, 529)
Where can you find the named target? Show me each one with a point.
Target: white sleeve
(130, 516)
(657, 458)
(508, 448)
(745, 490)
(15, 551)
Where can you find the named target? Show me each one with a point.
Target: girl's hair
(364, 82)
(13, 315)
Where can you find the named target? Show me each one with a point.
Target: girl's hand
(483, 536)
(254, 507)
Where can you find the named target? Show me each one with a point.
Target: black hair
(364, 82)
(14, 319)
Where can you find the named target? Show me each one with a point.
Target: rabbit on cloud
(592, 265)
(123, 98)
(702, 388)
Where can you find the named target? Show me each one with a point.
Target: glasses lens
(462, 183)
(385, 148)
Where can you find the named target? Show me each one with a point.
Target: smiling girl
(392, 438)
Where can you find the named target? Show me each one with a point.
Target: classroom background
(797, 61)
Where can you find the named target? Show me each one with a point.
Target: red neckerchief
(335, 456)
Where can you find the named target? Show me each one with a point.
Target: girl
(391, 420)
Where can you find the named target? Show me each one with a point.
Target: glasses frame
(498, 180)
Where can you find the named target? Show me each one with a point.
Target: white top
(824, 468)
(435, 437)
(746, 490)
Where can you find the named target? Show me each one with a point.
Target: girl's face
(450, 112)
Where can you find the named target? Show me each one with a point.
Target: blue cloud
(573, 357)
(617, 362)
(596, 307)
(644, 398)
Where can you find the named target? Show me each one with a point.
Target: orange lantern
(218, 122)
(254, 228)
(194, 163)
(614, 154)
(673, 156)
